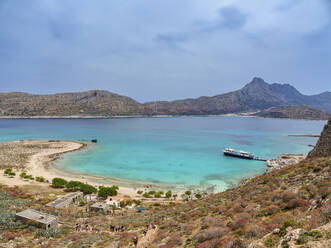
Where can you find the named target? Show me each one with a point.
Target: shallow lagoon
(179, 150)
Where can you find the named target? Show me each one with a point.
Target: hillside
(255, 96)
(94, 103)
(294, 112)
(286, 208)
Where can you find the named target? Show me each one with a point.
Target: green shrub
(270, 242)
(198, 196)
(59, 182)
(40, 179)
(139, 192)
(74, 185)
(157, 195)
(23, 174)
(87, 189)
(7, 171)
(168, 194)
(104, 192)
(146, 195)
(188, 192)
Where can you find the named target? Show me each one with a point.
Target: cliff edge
(323, 146)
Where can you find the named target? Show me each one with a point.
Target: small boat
(239, 154)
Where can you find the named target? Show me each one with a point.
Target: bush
(139, 192)
(59, 182)
(146, 195)
(295, 203)
(40, 179)
(211, 233)
(7, 171)
(23, 174)
(87, 189)
(286, 224)
(198, 196)
(104, 192)
(188, 192)
(287, 196)
(168, 194)
(74, 185)
(270, 210)
(271, 242)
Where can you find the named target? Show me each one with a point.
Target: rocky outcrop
(294, 112)
(255, 96)
(323, 146)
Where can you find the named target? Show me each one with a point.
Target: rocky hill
(323, 146)
(94, 103)
(255, 96)
(294, 112)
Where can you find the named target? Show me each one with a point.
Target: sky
(163, 49)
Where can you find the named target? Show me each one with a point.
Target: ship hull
(237, 155)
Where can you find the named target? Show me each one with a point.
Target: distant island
(293, 112)
(264, 99)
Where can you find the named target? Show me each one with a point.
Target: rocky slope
(294, 112)
(94, 103)
(255, 96)
(323, 146)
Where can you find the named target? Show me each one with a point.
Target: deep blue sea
(181, 150)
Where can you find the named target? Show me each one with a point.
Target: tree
(168, 194)
(198, 195)
(122, 204)
(87, 189)
(74, 185)
(104, 192)
(188, 192)
(59, 182)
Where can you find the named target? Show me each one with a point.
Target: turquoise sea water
(183, 150)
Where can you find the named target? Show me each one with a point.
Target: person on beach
(122, 228)
(77, 227)
(145, 232)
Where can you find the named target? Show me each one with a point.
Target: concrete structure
(100, 206)
(66, 200)
(91, 197)
(42, 220)
(116, 201)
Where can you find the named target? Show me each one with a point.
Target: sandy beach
(39, 157)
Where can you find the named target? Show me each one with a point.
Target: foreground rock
(323, 146)
(284, 160)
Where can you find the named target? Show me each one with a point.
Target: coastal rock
(323, 146)
(284, 160)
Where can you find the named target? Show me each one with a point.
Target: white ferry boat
(240, 154)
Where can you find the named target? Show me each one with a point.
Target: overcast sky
(163, 49)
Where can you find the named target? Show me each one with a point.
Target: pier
(260, 159)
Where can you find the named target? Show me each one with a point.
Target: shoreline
(74, 117)
(43, 164)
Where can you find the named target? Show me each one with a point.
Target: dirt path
(146, 240)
